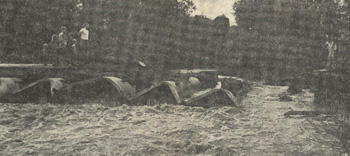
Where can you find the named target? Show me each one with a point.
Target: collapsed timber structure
(39, 83)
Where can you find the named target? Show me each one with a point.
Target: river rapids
(257, 127)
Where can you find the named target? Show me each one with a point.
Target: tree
(286, 36)
(30, 23)
(117, 27)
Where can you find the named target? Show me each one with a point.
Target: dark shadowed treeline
(274, 39)
(160, 33)
(278, 39)
(26, 24)
(282, 39)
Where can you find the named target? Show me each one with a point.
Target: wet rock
(191, 81)
(294, 88)
(6, 122)
(284, 97)
(197, 148)
(219, 151)
(41, 91)
(188, 86)
(106, 90)
(237, 86)
(194, 81)
(211, 98)
(164, 92)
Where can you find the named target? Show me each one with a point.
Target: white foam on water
(9, 85)
(56, 84)
(94, 129)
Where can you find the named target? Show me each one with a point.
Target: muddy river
(259, 127)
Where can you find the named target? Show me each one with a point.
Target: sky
(214, 8)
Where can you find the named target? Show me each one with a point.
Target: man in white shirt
(84, 39)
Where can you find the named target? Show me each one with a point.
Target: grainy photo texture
(174, 77)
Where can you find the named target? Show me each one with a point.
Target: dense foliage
(161, 33)
(117, 26)
(27, 24)
(281, 38)
(274, 39)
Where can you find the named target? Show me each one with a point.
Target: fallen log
(211, 98)
(164, 92)
(307, 113)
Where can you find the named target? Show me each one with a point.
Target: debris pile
(164, 92)
(239, 87)
(200, 88)
(40, 91)
(109, 90)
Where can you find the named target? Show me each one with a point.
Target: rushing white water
(258, 128)
(9, 85)
(56, 84)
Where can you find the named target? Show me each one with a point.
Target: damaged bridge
(35, 83)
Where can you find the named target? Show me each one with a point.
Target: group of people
(63, 49)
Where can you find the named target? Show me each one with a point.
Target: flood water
(257, 128)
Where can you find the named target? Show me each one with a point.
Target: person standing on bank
(53, 45)
(74, 52)
(84, 39)
(332, 47)
(45, 54)
(62, 44)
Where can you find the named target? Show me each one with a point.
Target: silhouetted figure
(84, 40)
(63, 37)
(44, 53)
(74, 51)
(62, 45)
(332, 47)
(53, 56)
